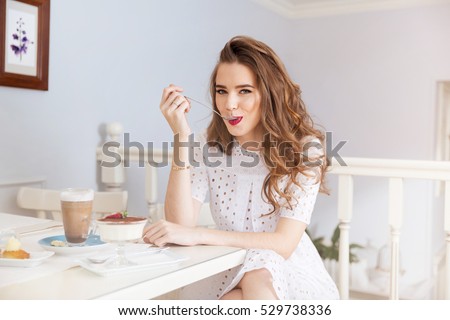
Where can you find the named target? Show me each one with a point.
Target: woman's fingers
(184, 106)
(163, 232)
(170, 100)
(161, 242)
(178, 102)
(169, 90)
(169, 95)
(175, 101)
(156, 235)
(153, 228)
(173, 106)
(156, 232)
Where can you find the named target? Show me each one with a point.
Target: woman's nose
(231, 104)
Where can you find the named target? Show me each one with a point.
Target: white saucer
(36, 258)
(93, 243)
(143, 261)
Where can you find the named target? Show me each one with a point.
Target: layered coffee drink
(76, 208)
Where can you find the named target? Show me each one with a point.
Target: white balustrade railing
(394, 170)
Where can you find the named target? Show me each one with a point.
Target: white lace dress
(234, 184)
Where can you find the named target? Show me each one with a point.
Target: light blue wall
(109, 61)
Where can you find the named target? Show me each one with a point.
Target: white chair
(45, 201)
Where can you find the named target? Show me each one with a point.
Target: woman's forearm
(178, 205)
(279, 241)
(284, 240)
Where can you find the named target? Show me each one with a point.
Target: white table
(78, 283)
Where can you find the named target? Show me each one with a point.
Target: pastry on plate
(13, 250)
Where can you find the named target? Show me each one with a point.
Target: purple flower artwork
(21, 41)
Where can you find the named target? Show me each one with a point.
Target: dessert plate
(36, 258)
(93, 243)
(161, 258)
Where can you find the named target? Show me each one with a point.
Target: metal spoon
(211, 108)
(97, 260)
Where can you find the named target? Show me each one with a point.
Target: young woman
(262, 166)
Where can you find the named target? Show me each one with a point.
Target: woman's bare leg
(257, 285)
(235, 294)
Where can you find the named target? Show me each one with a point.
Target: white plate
(143, 261)
(36, 258)
(92, 244)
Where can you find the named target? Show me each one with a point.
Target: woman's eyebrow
(238, 86)
(244, 86)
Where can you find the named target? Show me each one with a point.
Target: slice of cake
(13, 250)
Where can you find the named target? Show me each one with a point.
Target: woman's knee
(235, 294)
(258, 276)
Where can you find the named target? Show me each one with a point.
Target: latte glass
(76, 209)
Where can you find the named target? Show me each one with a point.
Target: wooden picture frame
(24, 43)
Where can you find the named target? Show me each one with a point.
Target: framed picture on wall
(24, 43)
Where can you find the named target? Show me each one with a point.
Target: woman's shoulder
(310, 139)
(313, 152)
(312, 147)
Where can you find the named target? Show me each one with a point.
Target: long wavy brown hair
(285, 121)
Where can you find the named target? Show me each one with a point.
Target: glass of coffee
(76, 209)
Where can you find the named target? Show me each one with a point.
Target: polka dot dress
(234, 184)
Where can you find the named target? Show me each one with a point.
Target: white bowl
(120, 230)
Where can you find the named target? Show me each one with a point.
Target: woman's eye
(220, 91)
(245, 91)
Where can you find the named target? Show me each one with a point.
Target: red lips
(235, 121)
